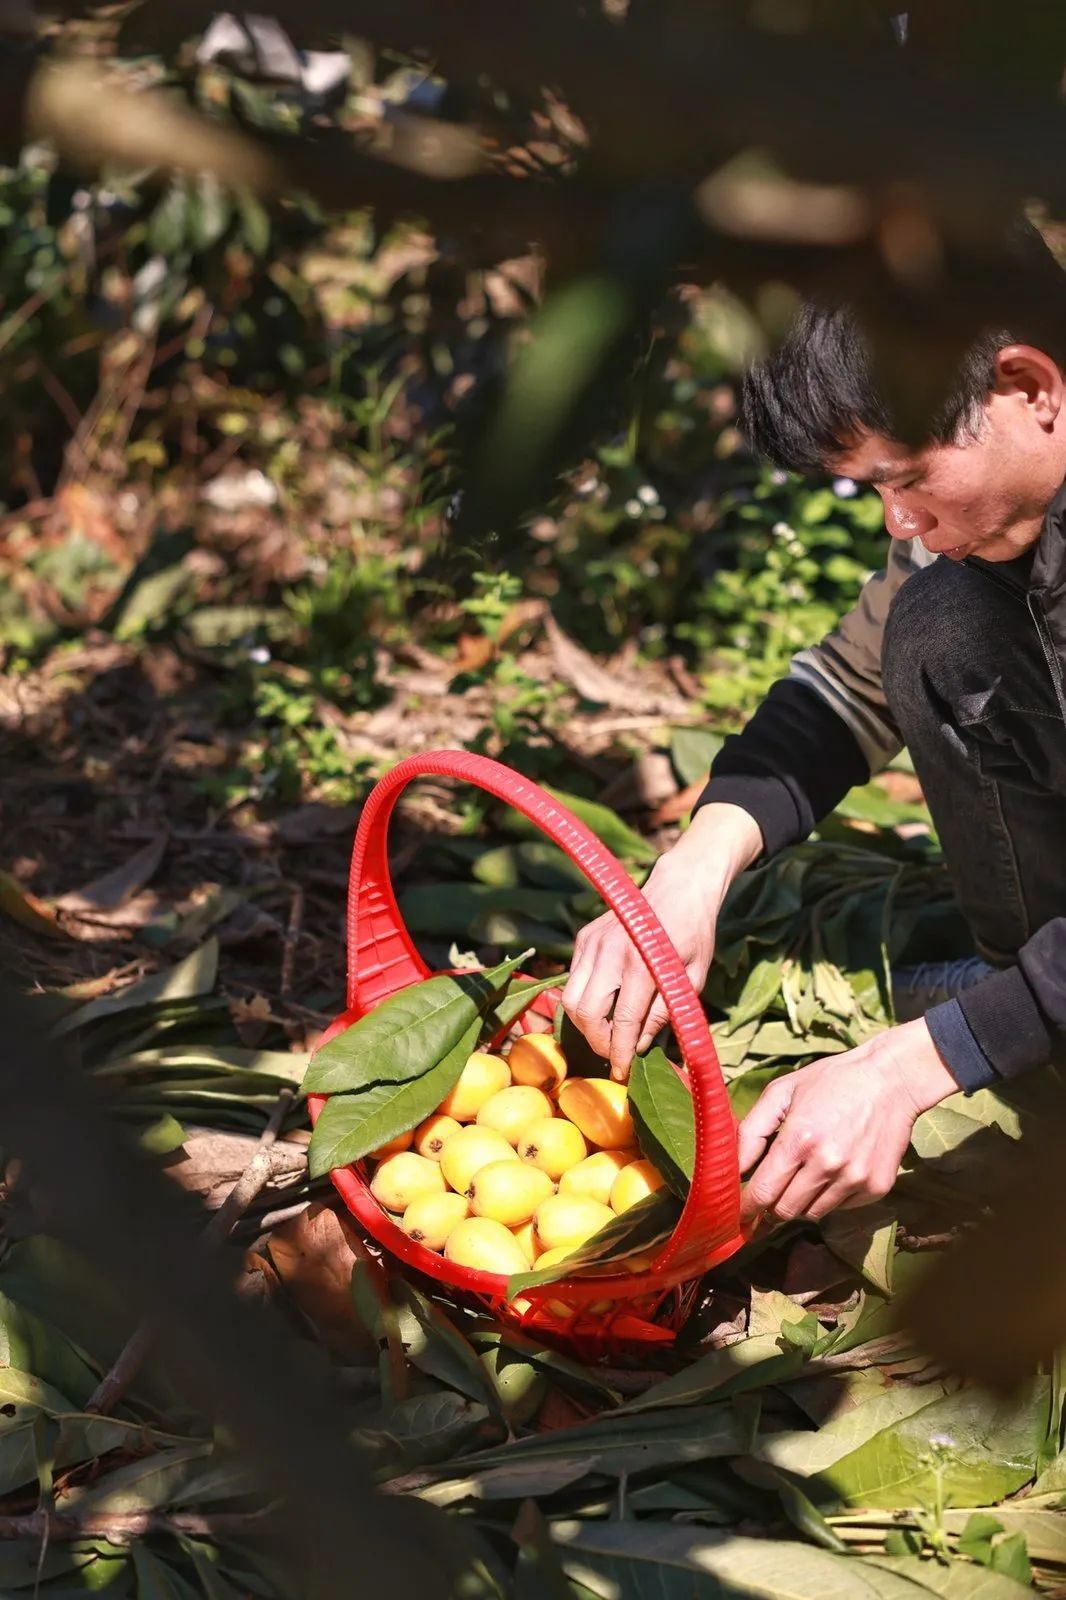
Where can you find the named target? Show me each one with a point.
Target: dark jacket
(827, 727)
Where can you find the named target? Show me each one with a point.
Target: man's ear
(1025, 370)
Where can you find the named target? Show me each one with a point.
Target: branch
(119, 1527)
(131, 1358)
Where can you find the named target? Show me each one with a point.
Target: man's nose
(904, 519)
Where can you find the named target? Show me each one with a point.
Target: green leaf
(753, 1363)
(630, 1233)
(866, 1240)
(692, 750)
(510, 930)
(569, 1372)
(1011, 1558)
(156, 1580)
(350, 1126)
(162, 1137)
(25, 1400)
(518, 999)
(941, 1132)
(192, 977)
(521, 1480)
(957, 1580)
(433, 1345)
(448, 910)
(656, 1561)
(266, 1067)
(808, 1452)
(1041, 1526)
(975, 1540)
(165, 233)
(22, 1565)
(428, 1428)
(255, 224)
(408, 1033)
(994, 1451)
(758, 994)
(661, 1104)
(618, 1443)
(546, 866)
(145, 1485)
(30, 1344)
(745, 1090)
(622, 840)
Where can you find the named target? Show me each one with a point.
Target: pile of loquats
(519, 1165)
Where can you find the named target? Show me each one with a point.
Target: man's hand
(610, 995)
(840, 1126)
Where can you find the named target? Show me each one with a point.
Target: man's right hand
(686, 889)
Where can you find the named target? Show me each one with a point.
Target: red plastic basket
(382, 960)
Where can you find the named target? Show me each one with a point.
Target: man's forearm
(792, 763)
(723, 841)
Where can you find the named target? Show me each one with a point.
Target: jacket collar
(1049, 561)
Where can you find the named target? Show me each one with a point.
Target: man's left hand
(840, 1126)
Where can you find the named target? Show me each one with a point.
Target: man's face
(986, 497)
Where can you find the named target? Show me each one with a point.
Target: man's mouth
(954, 552)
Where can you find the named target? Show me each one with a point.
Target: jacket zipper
(1037, 614)
(1040, 622)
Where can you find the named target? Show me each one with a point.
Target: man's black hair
(805, 404)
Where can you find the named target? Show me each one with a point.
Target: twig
(114, 1384)
(292, 939)
(274, 1219)
(119, 1526)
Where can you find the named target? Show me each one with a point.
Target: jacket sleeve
(1010, 1021)
(824, 728)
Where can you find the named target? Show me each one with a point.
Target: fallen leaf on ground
(649, 781)
(115, 888)
(314, 821)
(213, 1159)
(313, 1256)
(679, 805)
(26, 909)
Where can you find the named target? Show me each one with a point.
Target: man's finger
(762, 1122)
(804, 1195)
(635, 995)
(772, 1177)
(586, 948)
(658, 1017)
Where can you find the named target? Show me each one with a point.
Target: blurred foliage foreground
(236, 583)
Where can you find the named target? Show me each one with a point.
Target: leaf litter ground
(794, 1442)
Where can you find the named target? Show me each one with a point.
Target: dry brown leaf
(112, 890)
(314, 821)
(257, 1009)
(678, 806)
(25, 908)
(212, 1160)
(647, 782)
(313, 1256)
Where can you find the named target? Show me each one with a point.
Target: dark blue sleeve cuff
(958, 1049)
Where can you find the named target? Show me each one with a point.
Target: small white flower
(648, 495)
(942, 1441)
(781, 530)
(778, 477)
(259, 654)
(633, 508)
(845, 488)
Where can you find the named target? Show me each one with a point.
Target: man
(957, 650)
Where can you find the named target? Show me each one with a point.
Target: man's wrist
(924, 1076)
(725, 839)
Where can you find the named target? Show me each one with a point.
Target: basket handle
(382, 958)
